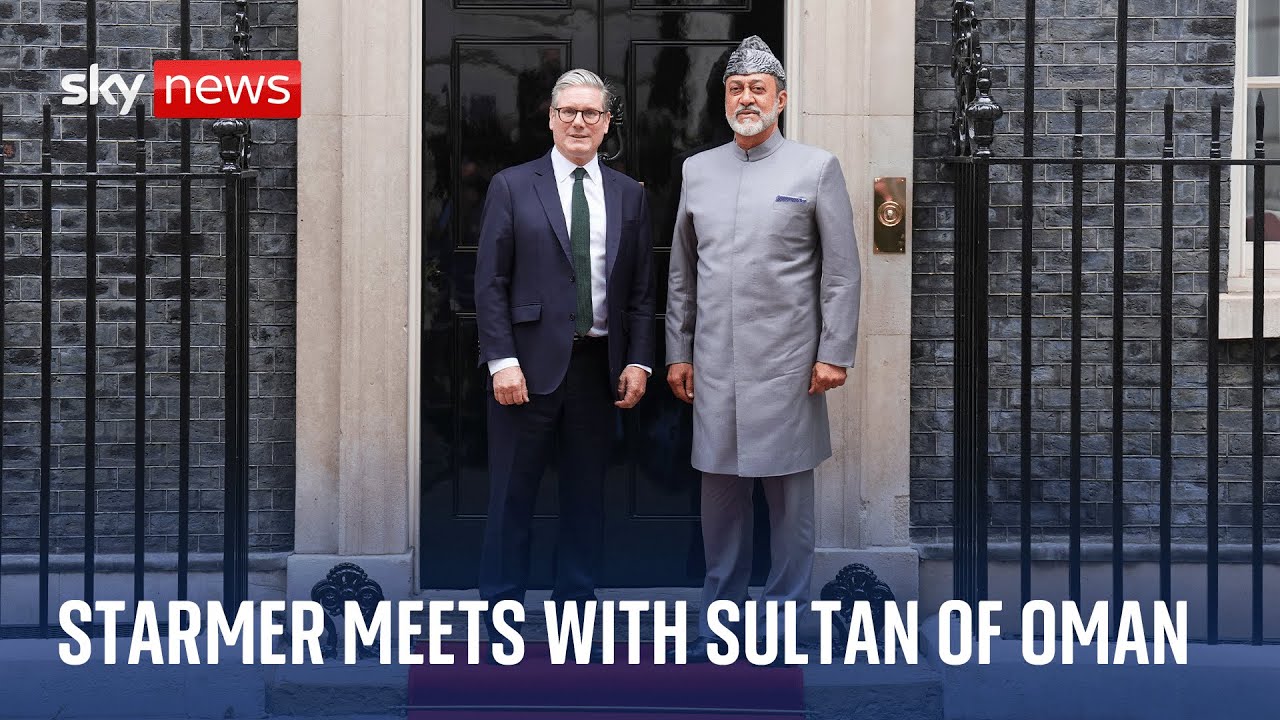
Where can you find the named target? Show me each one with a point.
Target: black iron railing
(973, 137)
(232, 179)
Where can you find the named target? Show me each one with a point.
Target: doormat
(538, 690)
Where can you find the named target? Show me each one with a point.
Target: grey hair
(586, 78)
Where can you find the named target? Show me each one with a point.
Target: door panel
(489, 68)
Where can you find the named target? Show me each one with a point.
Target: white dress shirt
(562, 168)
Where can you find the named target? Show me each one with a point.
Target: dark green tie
(580, 240)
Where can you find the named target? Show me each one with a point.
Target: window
(1257, 71)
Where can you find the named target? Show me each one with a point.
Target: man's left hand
(826, 377)
(631, 385)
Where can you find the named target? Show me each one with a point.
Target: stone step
(336, 689)
(883, 692)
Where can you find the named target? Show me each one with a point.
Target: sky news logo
(198, 89)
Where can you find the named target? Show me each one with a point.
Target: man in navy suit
(564, 307)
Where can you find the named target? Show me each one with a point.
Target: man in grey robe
(762, 319)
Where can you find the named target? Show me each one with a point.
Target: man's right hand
(680, 378)
(509, 387)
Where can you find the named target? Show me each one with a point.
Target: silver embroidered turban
(754, 56)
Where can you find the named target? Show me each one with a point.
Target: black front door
(489, 68)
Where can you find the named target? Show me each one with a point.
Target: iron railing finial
(973, 129)
(235, 136)
(982, 115)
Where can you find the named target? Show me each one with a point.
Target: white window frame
(1236, 316)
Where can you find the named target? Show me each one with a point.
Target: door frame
(359, 287)
(358, 491)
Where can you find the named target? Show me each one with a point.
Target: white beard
(750, 125)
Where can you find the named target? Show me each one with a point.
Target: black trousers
(575, 426)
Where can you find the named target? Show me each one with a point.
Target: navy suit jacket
(526, 292)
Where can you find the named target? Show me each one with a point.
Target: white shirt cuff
(647, 370)
(502, 364)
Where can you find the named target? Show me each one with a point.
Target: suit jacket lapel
(545, 186)
(613, 215)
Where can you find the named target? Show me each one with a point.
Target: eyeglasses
(590, 116)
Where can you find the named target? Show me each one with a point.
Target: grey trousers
(728, 532)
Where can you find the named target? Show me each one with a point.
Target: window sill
(1235, 310)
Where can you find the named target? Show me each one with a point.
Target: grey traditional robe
(764, 282)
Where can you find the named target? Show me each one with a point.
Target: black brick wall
(40, 41)
(1183, 46)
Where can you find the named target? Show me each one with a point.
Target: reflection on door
(489, 69)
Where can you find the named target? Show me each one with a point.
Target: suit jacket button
(572, 316)
(572, 278)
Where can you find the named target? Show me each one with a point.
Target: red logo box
(211, 89)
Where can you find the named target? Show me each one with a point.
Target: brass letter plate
(891, 215)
